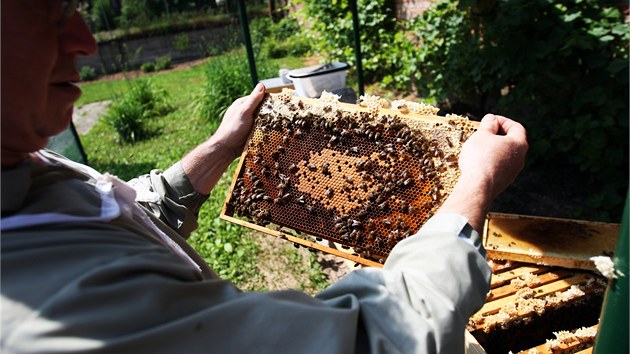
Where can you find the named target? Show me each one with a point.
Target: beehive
(362, 176)
(546, 295)
(538, 309)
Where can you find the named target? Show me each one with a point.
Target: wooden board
(548, 241)
(569, 346)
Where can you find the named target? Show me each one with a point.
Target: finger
(254, 98)
(490, 124)
(512, 128)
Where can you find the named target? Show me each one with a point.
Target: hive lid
(548, 241)
(317, 70)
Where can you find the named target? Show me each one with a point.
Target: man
(85, 268)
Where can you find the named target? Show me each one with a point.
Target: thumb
(490, 124)
(256, 96)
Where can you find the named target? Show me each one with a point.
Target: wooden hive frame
(361, 177)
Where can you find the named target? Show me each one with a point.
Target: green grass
(229, 249)
(171, 81)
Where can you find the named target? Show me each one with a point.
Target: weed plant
(129, 113)
(228, 78)
(87, 73)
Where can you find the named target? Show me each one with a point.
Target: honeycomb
(364, 176)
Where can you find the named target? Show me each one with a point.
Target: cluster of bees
(354, 176)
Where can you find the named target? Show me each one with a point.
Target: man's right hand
(489, 161)
(495, 154)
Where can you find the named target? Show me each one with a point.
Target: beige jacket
(83, 271)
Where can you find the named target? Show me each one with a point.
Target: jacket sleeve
(430, 285)
(120, 294)
(170, 197)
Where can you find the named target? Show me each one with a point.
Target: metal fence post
(242, 13)
(357, 44)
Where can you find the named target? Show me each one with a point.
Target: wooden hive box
(545, 295)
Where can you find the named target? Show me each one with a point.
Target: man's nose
(76, 37)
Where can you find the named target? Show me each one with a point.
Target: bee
(404, 207)
(329, 192)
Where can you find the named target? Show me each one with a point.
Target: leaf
(598, 31)
(607, 38)
(571, 17)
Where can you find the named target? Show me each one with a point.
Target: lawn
(232, 251)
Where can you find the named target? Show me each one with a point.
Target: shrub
(331, 32)
(277, 40)
(148, 67)
(163, 63)
(87, 73)
(182, 42)
(129, 113)
(560, 67)
(228, 78)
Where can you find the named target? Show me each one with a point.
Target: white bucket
(313, 80)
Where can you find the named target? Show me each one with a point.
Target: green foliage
(278, 40)
(228, 78)
(129, 113)
(294, 46)
(228, 248)
(163, 63)
(147, 67)
(143, 12)
(87, 73)
(102, 15)
(182, 41)
(331, 32)
(560, 67)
